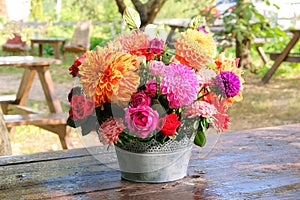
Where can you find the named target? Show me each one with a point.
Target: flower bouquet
(142, 97)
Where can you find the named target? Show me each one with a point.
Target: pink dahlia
(200, 108)
(109, 130)
(180, 84)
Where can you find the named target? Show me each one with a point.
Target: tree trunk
(243, 48)
(5, 148)
(243, 51)
(147, 11)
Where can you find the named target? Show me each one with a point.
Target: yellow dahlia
(102, 71)
(195, 48)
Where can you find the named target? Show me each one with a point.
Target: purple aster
(180, 84)
(227, 83)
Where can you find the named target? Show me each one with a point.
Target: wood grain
(251, 164)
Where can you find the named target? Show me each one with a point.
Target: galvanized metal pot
(153, 167)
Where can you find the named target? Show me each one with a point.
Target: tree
(147, 11)
(244, 35)
(241, 25)
(36, 10)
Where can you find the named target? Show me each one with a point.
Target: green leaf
(88, 125)
(71, 123)
(132, 18)
(200, 139)
(247, 15)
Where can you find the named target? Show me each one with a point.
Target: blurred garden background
(274, 103)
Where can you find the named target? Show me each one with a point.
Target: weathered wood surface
(27, 61)
(251, 164)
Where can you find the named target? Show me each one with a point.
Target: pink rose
(141, 120)
(140, 99)
(151, 88)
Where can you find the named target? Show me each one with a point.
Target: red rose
(74, 68)
(81, 107)
(169, 124)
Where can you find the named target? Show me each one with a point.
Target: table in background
(23, 115)
(33, 65)
(283, 56)
(249, 164)
(41, 41)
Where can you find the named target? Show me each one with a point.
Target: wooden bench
(54, 122)
(17, 115)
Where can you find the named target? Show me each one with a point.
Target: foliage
(243, 23)
(36, 11)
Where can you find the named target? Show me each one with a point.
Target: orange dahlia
(102, 71)
(195, 48)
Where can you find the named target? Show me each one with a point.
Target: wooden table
(33, 65)
(283, 56)
(56, 120)
(41, 41)
(251, 164)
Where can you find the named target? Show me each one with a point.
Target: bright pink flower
(141, 120)
(202, 29)
(180, 84)
(151, 88)
(109, 130)
(156, 45)
(140, 99)
(200, 108)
